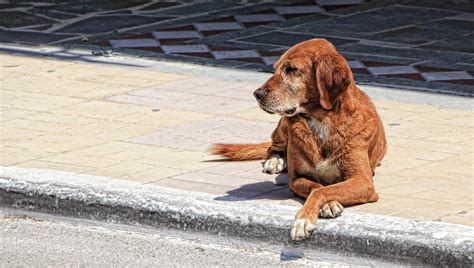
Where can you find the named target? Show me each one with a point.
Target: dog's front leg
(357, 188)
(276, 155)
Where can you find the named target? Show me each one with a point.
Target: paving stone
(379, 19)
(413, 53)
(51, 14)
(134, 43)
(289, 39)
(32, 38)
(200, 135)
(418, 35)
(228, 193)
(159, 5)
(197, 8)
(18, 19)
(465, 6)
(180, 100)
(457, 44)
(102, 24)
(82, 7)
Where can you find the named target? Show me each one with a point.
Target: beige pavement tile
(388, 180)
(43, 126)
(256, 114)
(54, 166)
(117, 78)
(120, 170)
(392, 163)
(36, 102)
(100, 109)
(424, 173)
(106, 148)
(428, 145)
(11, 155)
(75, 159)
(202, 187)
(421, 154)
(463, 118)
(110, 130)
(454, 137)
(393, 116)
(8, 114)
(399, 132)
(149, 74)
(469, 143)
(164, 117)
(174, 158)
(451, 193)
(409, 107)
(458, 220)
(433, 211)
(464, 121)
(463, 164)
(153, 174)
(52, 117)
(409, 188)
(56, 143)
(36, 84)
(390, 207)
(10, 134)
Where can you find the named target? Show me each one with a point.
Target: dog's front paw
(274, 165)
(331, 209)
(302, 229)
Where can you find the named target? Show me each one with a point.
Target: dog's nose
(259, 94)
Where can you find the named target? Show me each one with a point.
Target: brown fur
(241, 152)
(329, 132)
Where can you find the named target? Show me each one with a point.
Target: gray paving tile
(289, 39)
(101, 24)
(376, 20)
(418, 35)
(459, 25)
(466, 6)
(19, 19)
(81, 7)
(142, 42)
(438, 76)
(196, 8)
(51, 13)
(458, 44)
(412, 53)
(31, 38)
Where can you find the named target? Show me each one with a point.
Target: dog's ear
(333, 77)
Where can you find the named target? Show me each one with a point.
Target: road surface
(31, 239)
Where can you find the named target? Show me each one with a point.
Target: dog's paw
(302, 229)
(331, 209)
(274, 165)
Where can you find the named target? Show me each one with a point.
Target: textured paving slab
(254, 35)
(152, 122)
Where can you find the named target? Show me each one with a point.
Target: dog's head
(309, 73)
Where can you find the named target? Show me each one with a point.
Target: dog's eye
(289, 69)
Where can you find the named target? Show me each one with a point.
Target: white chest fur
(325, 169)
(319, 129)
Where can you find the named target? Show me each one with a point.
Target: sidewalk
(153, 126)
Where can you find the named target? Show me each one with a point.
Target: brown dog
(330, 136)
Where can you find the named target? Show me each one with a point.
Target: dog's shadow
(277, 190)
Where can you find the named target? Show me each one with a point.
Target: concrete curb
(101, 198)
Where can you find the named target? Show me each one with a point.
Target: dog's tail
(241, 152)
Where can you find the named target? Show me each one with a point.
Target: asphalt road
(43, 240)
